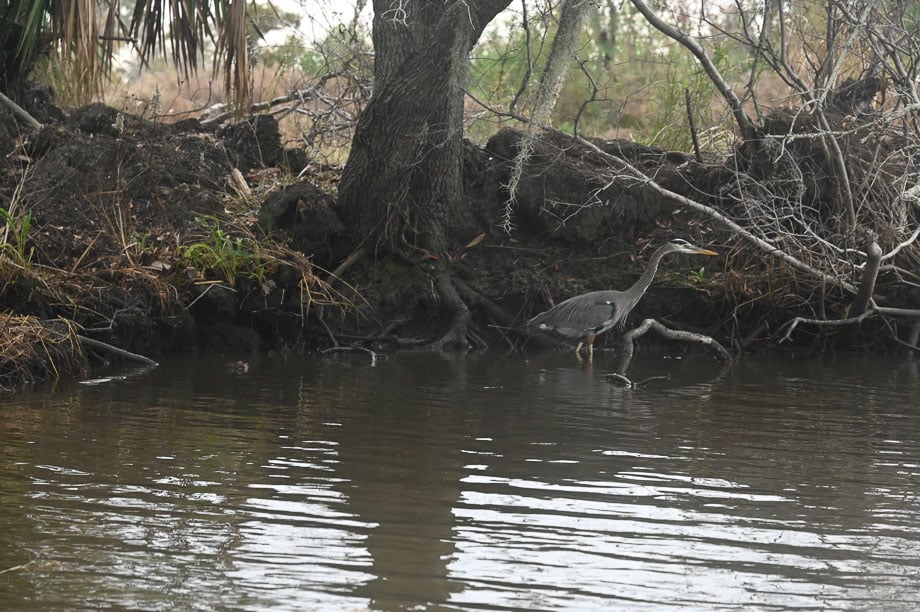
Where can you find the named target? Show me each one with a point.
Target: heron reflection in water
(589, 315)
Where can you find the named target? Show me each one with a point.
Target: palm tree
(85, 33)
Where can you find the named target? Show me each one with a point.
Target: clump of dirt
(305, 216)
(103, 179)
(566, 193)
(137, 234)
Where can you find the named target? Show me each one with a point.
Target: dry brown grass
(32, 352)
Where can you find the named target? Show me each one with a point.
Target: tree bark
(401, 186)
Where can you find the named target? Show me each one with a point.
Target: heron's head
(679, 245)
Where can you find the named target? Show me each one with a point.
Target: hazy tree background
(640, 76)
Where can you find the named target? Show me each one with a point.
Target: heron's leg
(578, 348)
(591, 348)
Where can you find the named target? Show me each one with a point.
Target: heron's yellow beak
(704, 252)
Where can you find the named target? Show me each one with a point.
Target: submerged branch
(647, 325)
(352, 349)
(631, 384)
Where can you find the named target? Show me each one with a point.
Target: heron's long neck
(638, 290)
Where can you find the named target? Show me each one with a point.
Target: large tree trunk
(402, 184)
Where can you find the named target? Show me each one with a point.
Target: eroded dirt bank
(158, 237)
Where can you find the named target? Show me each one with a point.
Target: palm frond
(233, 51)
(79, 45)
(179, 28)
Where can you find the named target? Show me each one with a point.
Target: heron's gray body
(586, 316)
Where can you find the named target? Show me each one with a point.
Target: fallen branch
(21, 113)
(102, 346)
(300, 96)
(714, 214)
(349, 261)
(140, 371)
(17, 567)
(824, 323)
(647, 325)
(872, 311)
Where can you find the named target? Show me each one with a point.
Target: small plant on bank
(15, 235)
(698, 276)
(228, 257)
(143, 241)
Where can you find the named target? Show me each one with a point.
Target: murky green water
(479, 482)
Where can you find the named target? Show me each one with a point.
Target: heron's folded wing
(577, 317)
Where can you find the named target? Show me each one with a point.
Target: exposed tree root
(630, 337)
(348, 262)
(507, 321)
(455, 336)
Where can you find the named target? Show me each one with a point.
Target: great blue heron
(589, 315)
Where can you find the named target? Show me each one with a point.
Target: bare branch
(748, 130)
(767, 247)
(871, 312)
(630, 337)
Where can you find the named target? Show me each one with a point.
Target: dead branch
(102, 346)
(748, 130)
(714, 215)
(867, 285)
(349, 261)
(824, 323)
(21, 113)
(630, 337)
(909, 313)
(870, 312)
(299, 96)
